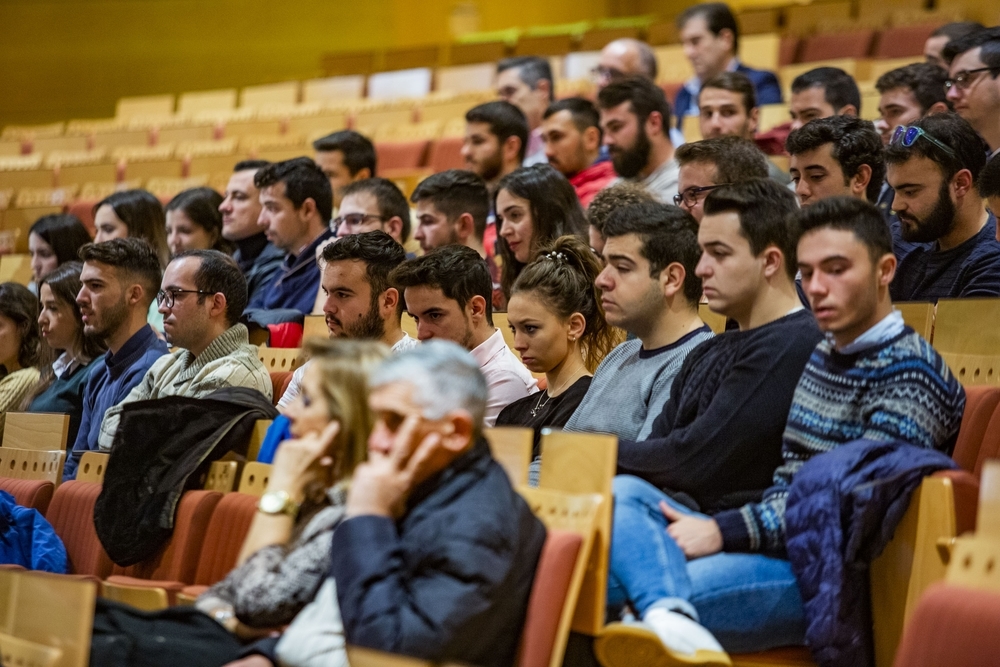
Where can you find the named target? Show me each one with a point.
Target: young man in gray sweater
(648, 288)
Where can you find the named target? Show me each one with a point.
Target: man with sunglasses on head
(201, 298)
(974, 82)
(949, 247)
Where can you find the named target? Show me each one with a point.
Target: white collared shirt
(507, 380)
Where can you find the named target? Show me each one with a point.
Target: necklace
(548, 397)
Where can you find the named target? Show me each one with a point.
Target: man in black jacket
(437, 553)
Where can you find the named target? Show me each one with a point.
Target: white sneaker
(664, 639)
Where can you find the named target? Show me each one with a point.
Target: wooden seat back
(254, 479)
(32, 464)
(511, 447)
(22, 653)
(92, 467)
(971, 349)
(221, 476)
(715, 321)
(585, 463)
(36, 430)
(280, 358)
(919, 316)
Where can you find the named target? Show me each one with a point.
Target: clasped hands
(696, 536)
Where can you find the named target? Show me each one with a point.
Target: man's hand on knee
(695, 536)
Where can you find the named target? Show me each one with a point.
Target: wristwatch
(278, 502)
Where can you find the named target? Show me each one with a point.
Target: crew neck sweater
(717, 441)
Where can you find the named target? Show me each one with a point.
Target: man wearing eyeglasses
(710, 163)
(974, 82)
(202, 295)
(933, 165)
(622, 58)
(373, 204)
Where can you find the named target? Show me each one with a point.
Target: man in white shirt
(360, 300)
(448, 292)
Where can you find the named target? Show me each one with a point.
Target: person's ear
(962, 183)
(465, 227)
(654, 124)
(394, 228)
(591, 139)
(774, 261)
(577, 325)
(362, 174)
(859, 182)
(458, 431)
(477, 309)
(847, 110)
(727, 35)
(308, 209)
(754, 119)
(672, 279)
(938, 107)
(134, 293)
(511, 149)
(218, 306)
(389, 301)
(886, 269)
(544, 86)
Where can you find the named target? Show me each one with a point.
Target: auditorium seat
(333, 89)
(446, 153)
(827, 46)
(953, 625)
(271, 94)
(71, 514)
(279, 384)
(903, 41)
(410, 83)
(33, 493)
(402, 154)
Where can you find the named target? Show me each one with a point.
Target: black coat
(161, 449)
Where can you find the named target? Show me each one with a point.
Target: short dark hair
(454, 192)
(358, 150)
(848, 214)
(143, 214)
(717, 16)
(668, 234)
(132, 256)
(839, 87)
(989, 180)
(582, 110)
(256, 165)
(734, 82)
(763, 207)
(924, 80)
(219, 274)
(531, 70)
(201, 206)
(645, 96)
(957, 29)
(855, 142)
(458, 271)
(390, 199)
(380, 254)
(988, 38)
(504, 119)
(735, 159)
(64, 233)
(18, 304)
(953, 131)
(303, 180)
(610, 199)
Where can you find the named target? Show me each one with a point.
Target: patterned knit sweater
(229, 361)
(897, 390)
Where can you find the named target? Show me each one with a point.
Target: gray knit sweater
(230, 361)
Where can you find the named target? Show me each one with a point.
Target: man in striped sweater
(723, 579)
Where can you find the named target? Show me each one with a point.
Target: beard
(109, 321)
(938, 222)
(369, 327)
(491, 168)
(628, 162)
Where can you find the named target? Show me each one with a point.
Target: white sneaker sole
(627, 645)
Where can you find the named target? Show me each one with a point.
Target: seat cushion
(980, 404)
(71, 514)
(952, 626)
(33, 493)
(226, 532)
(548, 595)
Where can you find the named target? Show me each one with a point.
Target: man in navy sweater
(297, 204)
(711, 41)
(120, 279)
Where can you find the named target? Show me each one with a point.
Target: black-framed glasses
(963, 80)
(166, 297)
(691, 196)
(907, 135)
(355, 219)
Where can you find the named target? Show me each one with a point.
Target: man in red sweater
(571, 130)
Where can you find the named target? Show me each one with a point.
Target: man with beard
(635, 118)
(120, 278)
(360, 300)
(933, 166)
(572, 133)
(452, 208)
(447, 291)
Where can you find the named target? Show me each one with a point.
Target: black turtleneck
(248, 249)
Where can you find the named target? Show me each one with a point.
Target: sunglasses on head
(907, 135)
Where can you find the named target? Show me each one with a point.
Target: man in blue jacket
(711, 41)
(297, 204)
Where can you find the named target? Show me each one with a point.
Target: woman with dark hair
(194, 222)
(534, 206)
(54, 240)
(559, 329)
(133, 213)
(18, 346)
(68, 348)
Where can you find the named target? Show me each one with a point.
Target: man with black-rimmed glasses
(973, 83)
(709, 163)
(201, 298)
(373, 204)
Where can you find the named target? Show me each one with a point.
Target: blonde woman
(286, 553)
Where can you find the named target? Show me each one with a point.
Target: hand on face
(302, 461)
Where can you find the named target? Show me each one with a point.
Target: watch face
(272, 503)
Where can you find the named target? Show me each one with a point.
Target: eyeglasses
(608, 74)
(690, 196)
(354, 220)
(166, 297)
(963, 80)
(907, 135)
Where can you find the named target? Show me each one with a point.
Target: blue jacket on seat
(27, 539)
(764, 83)
(842, 511)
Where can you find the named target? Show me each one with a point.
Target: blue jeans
(750, 602)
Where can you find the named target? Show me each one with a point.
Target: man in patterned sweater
(722, 579)
(202, 296)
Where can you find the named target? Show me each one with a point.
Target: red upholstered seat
(402, 154)
(179, 559)
(952, 626)
(33, 493)
(788, 50)
(851, 44)
(979, 435)
(548, 594)
(279, 384)
(446, 154)
(71, 514)
(285, 334)
(903, 41)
